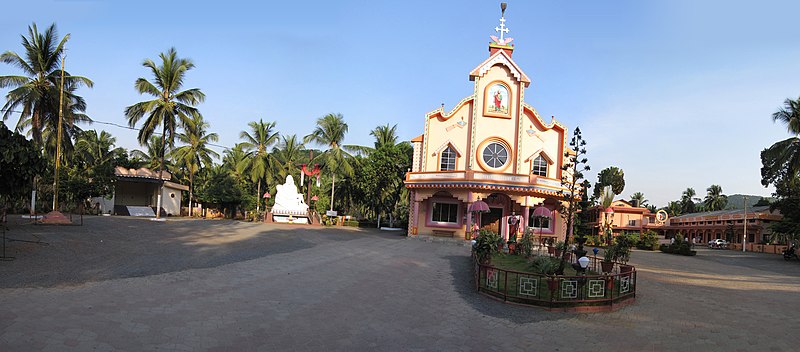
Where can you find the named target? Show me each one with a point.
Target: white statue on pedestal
(287, 200)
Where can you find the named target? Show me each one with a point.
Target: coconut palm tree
(687, 200)
(233, 157)
(195, 152)
(638, 198)
(262, 135)
(330, 132)
(674, 208)
(289, 153)
(384, 136)
(152, 157)
(715, 200)
(171, 105)
(93, 149)
(790, 115)
(37, 92)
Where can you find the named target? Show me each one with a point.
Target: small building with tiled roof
(491, 147)
(138, 188)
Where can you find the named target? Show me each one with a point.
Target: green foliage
(20, 162)
(639, 198)
(610, 176)
(622, 247)
(525, 244)
(574, 184)
(220, 188)
(715, 200)
(545, 265)
(648, 241)
(610, 254)
(37, 92)
(687, 201)
(485, 245)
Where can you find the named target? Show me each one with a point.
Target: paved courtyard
(187, 285)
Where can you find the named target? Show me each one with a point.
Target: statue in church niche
(288, 200)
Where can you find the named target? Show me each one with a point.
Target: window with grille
(540, 166)
(448, 159)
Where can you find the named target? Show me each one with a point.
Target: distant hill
(736, 201)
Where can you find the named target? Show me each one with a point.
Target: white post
(333, 187)
(33, 202)
(744, 235)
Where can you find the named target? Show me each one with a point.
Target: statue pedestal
(290, 217)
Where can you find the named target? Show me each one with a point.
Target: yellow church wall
(492, 126)
(444, 130)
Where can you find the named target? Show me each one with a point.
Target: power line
(130, 128)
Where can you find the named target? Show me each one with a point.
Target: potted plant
(609, 255)
(622, 251)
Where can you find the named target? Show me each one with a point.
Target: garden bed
(510, 278)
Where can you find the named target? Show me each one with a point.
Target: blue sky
(676, 93)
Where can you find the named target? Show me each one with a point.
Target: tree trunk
(258, 197)
(161, 170)
(333, 188)
(191, 187)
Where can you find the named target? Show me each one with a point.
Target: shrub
(525, 244)
(545, 265)
(351, 223)
(485, 244)
(648, 241)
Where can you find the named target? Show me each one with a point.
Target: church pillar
(413, 214)
(526, 213)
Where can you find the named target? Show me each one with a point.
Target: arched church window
(448, 159)
(539, 166)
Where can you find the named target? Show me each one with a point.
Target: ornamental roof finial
(502, 28)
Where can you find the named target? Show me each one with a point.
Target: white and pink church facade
(490, 147)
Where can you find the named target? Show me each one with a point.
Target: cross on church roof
(502, 29)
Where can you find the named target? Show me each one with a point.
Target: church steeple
(503, 42)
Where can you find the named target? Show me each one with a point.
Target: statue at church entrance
(289, 205)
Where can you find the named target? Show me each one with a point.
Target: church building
(494, 148)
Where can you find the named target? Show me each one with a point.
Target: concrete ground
(187, 285)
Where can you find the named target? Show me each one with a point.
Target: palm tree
(170, 106)
(257, 144)
(37, 93)
(330, 132)
(95, 149)
(638, 198)
(790, 115)
(195, 153)
(69, 129)
(715, 200)
(781, 161)
(384, 136)
(674, 208)
(152, 157)
(288, 155)
(233, 157)
(687, 201)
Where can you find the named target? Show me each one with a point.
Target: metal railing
(604, 290)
